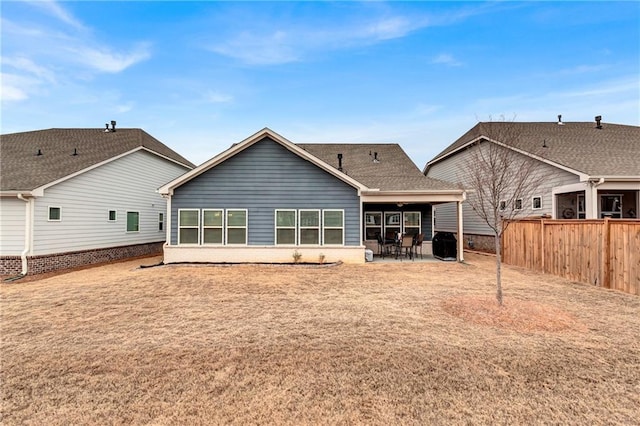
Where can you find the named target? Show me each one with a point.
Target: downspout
(27, 234)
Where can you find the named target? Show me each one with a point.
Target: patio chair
(418, 240)
(406, 246)
(384, 246)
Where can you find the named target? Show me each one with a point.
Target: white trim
(581, 175)
(39, 191)
(221, 227)
(366, 225)
(245, 227)
(276, 227)
(126, 225)
(49, 214)
(533, 206)
(197, 227)
(324, 227)
(300, 227)
(404, 227)
(246, 143)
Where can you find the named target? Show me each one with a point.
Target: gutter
(27, 234)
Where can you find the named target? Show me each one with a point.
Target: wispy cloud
(446, 59)
(217, 97)
(54, 9)
(103, 59)
(286, 42)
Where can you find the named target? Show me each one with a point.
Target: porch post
(591, 202)
(460, 234)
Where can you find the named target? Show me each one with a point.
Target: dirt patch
(518, 315)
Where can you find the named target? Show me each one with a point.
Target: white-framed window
(112, 216)
(55, 214)
(160, 222)
(536, 203)
(133, 221)
(611, 206)
(517, 205)
(412, 222)
(502, 205)
(392, 224)
(309, 223)
(372, 225)
(285, 225)
(333, 227)
(236, 220)
(212, 226)
(188, 226)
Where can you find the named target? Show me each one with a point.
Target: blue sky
(202, 75)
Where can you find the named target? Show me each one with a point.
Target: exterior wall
(12, 217)
(126, 184)
(453, 168)
(264, 254)
(61, 261)
(262, 178)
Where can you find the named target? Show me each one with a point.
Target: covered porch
(597, 199)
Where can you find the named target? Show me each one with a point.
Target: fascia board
(246, 143)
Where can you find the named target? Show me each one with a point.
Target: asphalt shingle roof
(394, 170)
(613, 150)
(22, 170)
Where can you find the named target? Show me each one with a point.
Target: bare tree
(499, 178)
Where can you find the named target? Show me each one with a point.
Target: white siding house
(589, 170)
(59, 210)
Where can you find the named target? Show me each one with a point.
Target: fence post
(542, 244)
(606, 248)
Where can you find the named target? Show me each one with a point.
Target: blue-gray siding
(264, 177)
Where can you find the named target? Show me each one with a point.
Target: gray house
(71, 197)
(591, 170)
(266, 199)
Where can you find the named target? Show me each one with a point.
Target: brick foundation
(12, 265)
(485, 243)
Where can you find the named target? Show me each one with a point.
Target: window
(236, 227)
(411, 223)
(285, 227)
(55, 214)
(611, 205)
(113, 216)
(188, 226)
(333, 227)
(372, 225)
(133, 222)
(536, 203)
(502, 205)
(212, 224)
(309, 227)
(160, 221)
(391, 224)
(518, 204)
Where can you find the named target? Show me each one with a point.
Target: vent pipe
(340, 162)
(375, 157)
(560, 123)
(113, 125)
(598, 120)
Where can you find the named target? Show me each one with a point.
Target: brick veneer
(11, 265)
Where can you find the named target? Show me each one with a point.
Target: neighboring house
(70, 197)
(267, 199)
(591, 169)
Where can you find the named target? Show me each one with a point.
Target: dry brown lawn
(410, 343)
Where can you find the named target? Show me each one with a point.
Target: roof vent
(106, 127)
(560, 123)
(39, 153)
(340, 162)
(113, 127)
(375, 157)
(75, 152)
(598, 120)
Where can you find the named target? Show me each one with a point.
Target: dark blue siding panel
(264, 177)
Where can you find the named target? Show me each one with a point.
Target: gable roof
(612, 150)
(393, 170)
(23, 170)
(241, 146)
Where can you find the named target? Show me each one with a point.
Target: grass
(411, 343)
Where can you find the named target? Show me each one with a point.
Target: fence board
(598, 252)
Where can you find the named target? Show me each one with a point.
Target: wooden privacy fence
(602, 252)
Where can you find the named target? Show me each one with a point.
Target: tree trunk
(498, 269)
